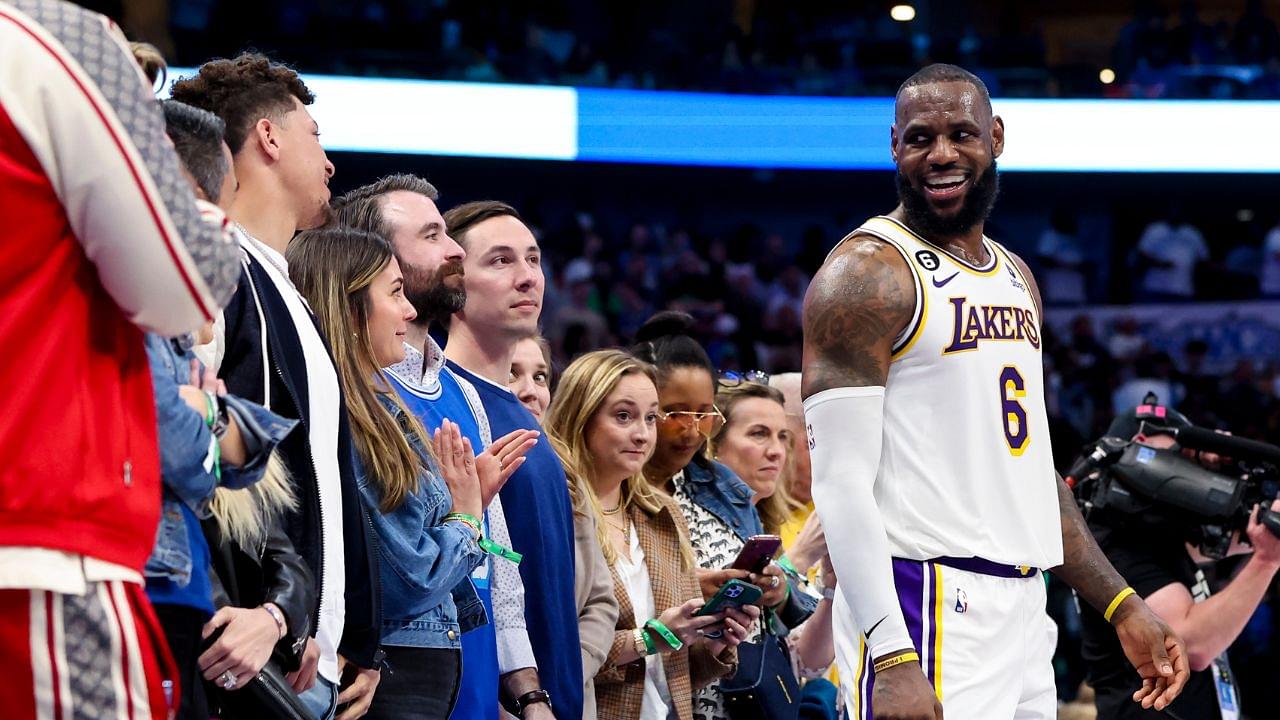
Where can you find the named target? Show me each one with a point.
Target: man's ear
(997, 136)
(893, 142)
(267, 136)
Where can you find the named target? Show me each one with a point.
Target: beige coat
(597, 608)
(620, 688)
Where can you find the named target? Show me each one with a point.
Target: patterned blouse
(715, 546)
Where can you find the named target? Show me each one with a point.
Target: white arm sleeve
(845, 427)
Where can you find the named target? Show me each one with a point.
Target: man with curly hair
(270, 351)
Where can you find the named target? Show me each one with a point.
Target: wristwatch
(827, 593)
(531, 698)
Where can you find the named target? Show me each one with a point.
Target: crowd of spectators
(823, 48)
(389, 545)
(293, 507)
(1182, 56)
(746, 287)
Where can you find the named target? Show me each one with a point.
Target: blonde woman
(603, 424)
(592, 578)
(424, 506)
(755, 443)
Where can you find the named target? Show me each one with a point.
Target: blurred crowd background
(1172, 49)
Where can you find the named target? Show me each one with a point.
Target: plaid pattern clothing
(620, 688)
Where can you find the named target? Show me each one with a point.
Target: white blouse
(635, 579)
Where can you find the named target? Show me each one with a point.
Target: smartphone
(757, 553)
(734, 593)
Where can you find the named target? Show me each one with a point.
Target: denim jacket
(186, 454)
(720, 491)
(425, 563)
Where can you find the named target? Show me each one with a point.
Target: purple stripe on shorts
(933, 626)
(908, 578)
(865, 684)
(986, 567)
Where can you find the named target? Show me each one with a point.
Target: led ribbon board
(635, 126)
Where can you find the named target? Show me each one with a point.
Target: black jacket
(242, 369)
(272, 573)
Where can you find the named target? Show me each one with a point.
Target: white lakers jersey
(966, 468)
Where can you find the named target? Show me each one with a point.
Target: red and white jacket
(101, 240)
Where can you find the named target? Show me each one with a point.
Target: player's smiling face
(945, 141)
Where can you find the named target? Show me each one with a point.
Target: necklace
(623, 528)
(614, 511)
(262, 249)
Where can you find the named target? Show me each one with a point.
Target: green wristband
(785, 563)
(212, 405)
(471, 520)
(665, 632)
(649, 649)
(505, 553)
(209, 421)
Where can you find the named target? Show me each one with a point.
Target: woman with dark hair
(424, 505)
(714, 500)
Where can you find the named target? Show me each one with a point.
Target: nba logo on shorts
(962, 601)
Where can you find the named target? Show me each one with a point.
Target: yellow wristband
(898, 660)
(1115, 603)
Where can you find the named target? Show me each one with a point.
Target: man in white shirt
(1170, 251)
(274, 354)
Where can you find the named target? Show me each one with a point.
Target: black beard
(430, 296)
(973, 211)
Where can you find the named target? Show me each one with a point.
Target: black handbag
(267, 695)
(765, 687)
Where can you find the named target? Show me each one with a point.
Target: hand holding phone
(757, 553)
(734, 593)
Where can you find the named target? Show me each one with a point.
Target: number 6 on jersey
(1013, 415)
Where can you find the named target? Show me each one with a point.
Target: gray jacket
(597, 607)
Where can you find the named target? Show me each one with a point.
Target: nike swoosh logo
(873, 627)
(944, 282)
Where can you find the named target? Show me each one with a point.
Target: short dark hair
(459, 220)
(242, 91)
(943, 72)
(197, 136)
(362, 208)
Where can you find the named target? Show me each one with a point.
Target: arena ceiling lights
(631, 126)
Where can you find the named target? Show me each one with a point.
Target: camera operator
(1162, 566)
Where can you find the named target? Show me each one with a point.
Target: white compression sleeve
(846, 427)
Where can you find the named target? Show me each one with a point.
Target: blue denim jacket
(425, 563)
(186, 459)
(719, 490)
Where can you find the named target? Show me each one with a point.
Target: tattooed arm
(1151, 646)
(858, 303)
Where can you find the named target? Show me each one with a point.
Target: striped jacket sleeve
(73, 91)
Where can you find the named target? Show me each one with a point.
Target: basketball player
(932, 469)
